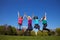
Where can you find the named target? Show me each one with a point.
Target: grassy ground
(4, 37)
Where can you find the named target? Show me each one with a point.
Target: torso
(20, 20)
(36, 21)
(30, 21)
(44, 21)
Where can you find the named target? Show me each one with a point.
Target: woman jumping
(44, 22)
(36, 21)
(20, 20)
(29, 23)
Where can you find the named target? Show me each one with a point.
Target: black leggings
(30, 27)
(44, 27)
(37, 26)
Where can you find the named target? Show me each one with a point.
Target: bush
(39, 33)
(32, 33)
(19, 32)
(58, 31)
(7, 30)
(45, 33)
(2, 30)
(11, 30)
(52, 33)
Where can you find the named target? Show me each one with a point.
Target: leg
(38, 27)
(20, 26)
(44, 27)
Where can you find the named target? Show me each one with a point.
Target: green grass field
(4, 37)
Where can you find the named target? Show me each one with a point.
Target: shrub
(45, 33)
(19, 32)
(11, 30)
(52, 33)
(32, 33)
(58, 31)
(7, 30)
(2, 30)
(39, 33)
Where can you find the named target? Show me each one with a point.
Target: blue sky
(9, 10)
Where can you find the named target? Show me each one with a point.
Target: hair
(29, 17)
(35, 17)
(21, 16)
(43, 18)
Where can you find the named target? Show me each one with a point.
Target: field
(4, 37)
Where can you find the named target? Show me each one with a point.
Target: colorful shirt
(44, 21)
(20, 20)
(30, 21)
(36, 21)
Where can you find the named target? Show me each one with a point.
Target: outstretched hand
(18, 14)
(41, 19)
(32, 15)
(25, 15)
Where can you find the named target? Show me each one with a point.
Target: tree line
(10, 30)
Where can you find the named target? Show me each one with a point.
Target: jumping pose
(44, 22)
(20, 20)
(29, 22)
(36, 21)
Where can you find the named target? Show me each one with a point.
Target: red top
(20, 20)
(30, 21)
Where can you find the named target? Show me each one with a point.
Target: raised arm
(45, 16)
(32, 16)
(18, 14)
(41, 19)
(25, 16)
